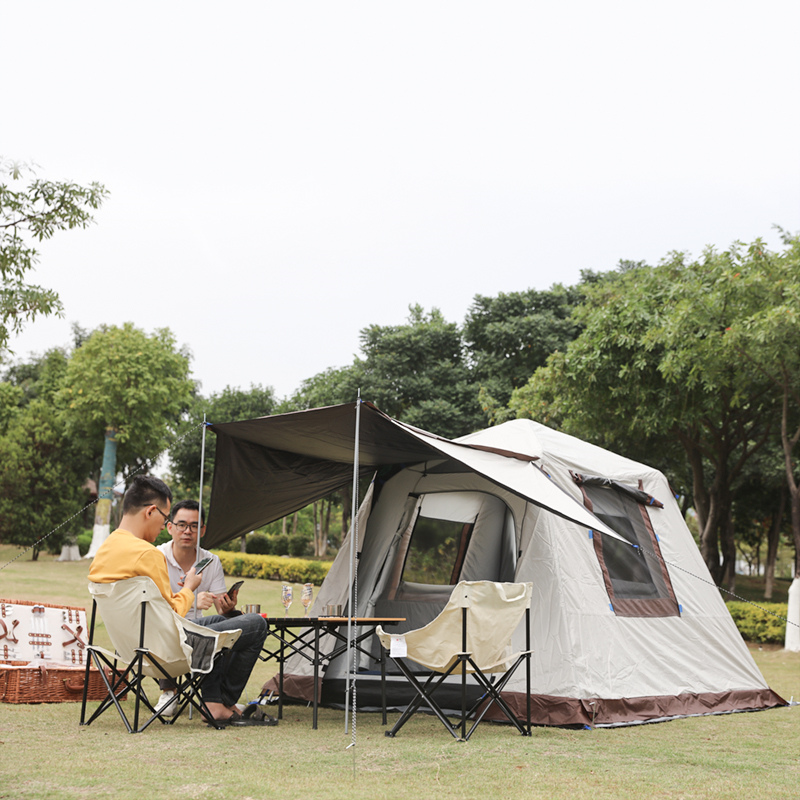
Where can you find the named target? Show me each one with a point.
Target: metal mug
(252, 608)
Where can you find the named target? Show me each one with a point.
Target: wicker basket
(22, 683)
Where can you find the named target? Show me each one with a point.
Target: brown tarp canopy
(269, 467)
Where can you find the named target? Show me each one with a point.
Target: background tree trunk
(773, 539)
(102, 516)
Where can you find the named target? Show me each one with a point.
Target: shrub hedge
(273, 568)
(279, 544)
(757, 625)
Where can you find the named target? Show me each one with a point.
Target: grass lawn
(44, 753)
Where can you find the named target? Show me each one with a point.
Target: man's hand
(191, 580)
(224, 603)
(206, 600)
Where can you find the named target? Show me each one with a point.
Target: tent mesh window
(436, 551)
(635, 575)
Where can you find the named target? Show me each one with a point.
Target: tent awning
(269, 467)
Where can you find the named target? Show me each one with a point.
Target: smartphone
(201, 565)
(237, 585)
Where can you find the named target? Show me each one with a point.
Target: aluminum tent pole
(200, 500)
(353, 599)
(199, 511)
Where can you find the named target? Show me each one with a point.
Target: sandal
(255, 715)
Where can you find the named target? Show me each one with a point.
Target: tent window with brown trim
(449, 537)
(436, 552)
(635, 575)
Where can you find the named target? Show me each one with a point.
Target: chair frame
(491, 689)
(119, 680)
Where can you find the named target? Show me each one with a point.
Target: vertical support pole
(199, 513)
(351, 609)
(528, 665)
(200, 498)
(463, 674)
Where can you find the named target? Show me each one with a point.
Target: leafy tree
(651, 367)
(226, 406)
(766, 336)
(41, 469)
(39, 376)
(29, 213)
(330, 387)
(510, 336)
(128, 389)
(418, 373)
(40, 479)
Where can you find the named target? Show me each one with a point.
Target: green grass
(44, 753)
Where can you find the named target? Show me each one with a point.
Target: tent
(626, 625)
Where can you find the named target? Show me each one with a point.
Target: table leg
(316, 675)
(383, 682)
(280, 678)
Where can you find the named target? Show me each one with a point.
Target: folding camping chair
(472, 635)
(150, 640)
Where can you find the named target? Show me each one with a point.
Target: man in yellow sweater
(129, 552)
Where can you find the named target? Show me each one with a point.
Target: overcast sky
(282, 175)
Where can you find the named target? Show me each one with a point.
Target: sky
(282, 175)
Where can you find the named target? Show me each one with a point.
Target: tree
(128, 389)
(650, 366)
(418, 373)
(510, 336)
(40, 480)
(766, 336)
(226, 406)
(330, 387)
(30, 213)
(42, 471)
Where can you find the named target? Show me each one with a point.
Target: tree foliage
(652, 367)
(134, 383)
(332, 386)
(511, 335)
(29, 213)
(766, 336)
(419, 373)
(42, 471)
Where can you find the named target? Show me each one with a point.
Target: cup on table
(252, 608)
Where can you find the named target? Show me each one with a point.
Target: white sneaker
(167, 704)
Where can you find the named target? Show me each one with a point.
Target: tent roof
(269, 467)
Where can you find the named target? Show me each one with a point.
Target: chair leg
(424, 694)
(188, 694)
(494, 697)
(88, 664)
(118, 685)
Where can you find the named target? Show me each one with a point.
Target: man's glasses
(185, 526)
(166, 516)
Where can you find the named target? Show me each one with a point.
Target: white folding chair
(471, 636)
(150, 640)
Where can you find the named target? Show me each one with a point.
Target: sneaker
(167, 704)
